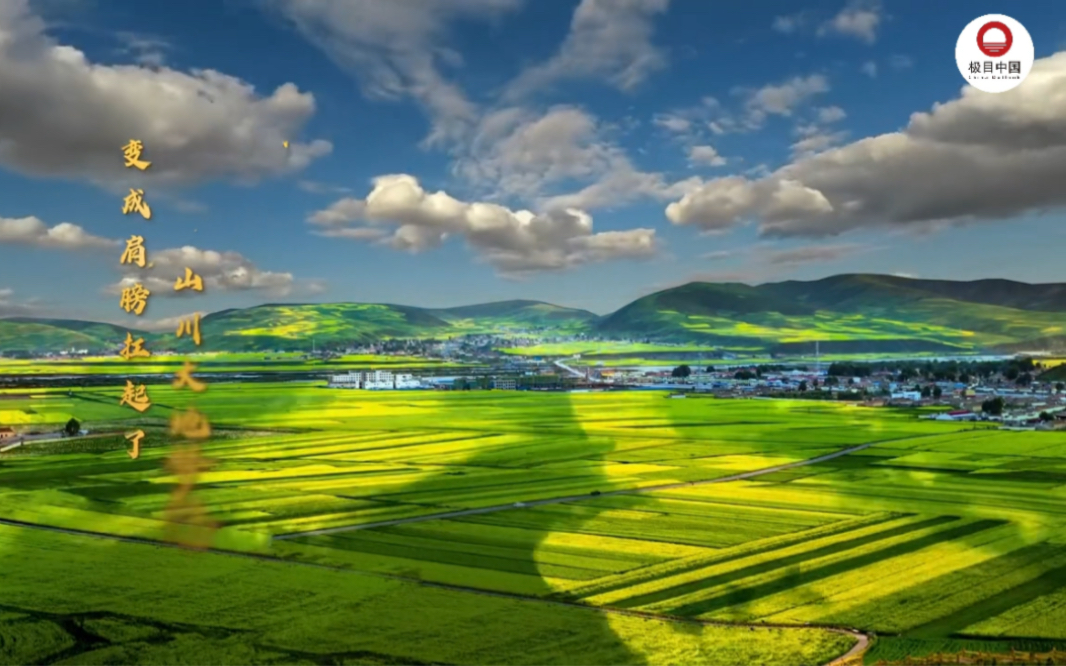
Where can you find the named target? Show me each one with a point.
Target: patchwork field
(492, 527)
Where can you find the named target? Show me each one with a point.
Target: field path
(573, 498)
(862, 640)
(853, 657)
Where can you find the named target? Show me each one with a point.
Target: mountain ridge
(853, 313)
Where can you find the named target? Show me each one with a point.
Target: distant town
(1005, 390)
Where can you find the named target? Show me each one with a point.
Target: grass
(936, 533)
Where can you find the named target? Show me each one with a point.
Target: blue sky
(652, 142)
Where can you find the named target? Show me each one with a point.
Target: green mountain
(515, 316)
(843, 314)
(852, 313)
(292, 326)
(24, 334)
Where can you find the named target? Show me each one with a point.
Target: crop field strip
(935, 522)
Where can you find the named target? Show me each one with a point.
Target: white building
(375, 380)
(906, 395)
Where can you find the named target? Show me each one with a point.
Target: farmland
(214, 363)
(331, 543)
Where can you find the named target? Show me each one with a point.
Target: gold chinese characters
(132, 151)
(135, 397)
(134, 348)
(135, 203)
(134, 299)
(183, 379)
(135, 438)
(190, 327)
(190, 281)
(135, 252)
(187, 521)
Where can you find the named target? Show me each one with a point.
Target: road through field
(573, 498)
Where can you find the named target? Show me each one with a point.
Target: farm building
(6, 433)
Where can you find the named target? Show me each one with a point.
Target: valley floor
(933, 536)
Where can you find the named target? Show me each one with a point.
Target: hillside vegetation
(843, 313)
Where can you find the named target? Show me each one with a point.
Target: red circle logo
(996, 44)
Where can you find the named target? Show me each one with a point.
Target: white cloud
(11, 307)
(816, 141)
(780, 99)
(221, 271)
(608, 39)
(705, 155)
(148, 50)
(977, 157)
(396, 48)
(672, 122)
(518, 153)
(65, 116)
(869, 68)
(859, 19)
(831, 114)
(32, 231)
(622, 184)
(514, 242)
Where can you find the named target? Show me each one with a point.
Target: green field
(935, 535)
(215, 362)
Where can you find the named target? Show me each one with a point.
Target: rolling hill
(852, 313)
(843, 314)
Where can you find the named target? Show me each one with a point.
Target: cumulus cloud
(515, 242)
(396, 48)
(519, 153)
(32, 231)
(66, 116)
(221, 272)
(815, 138)
(705, 156)
(831, 114)
(859, 19)
(977, 157)
(608, 39)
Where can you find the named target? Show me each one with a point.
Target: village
(1007, 391)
